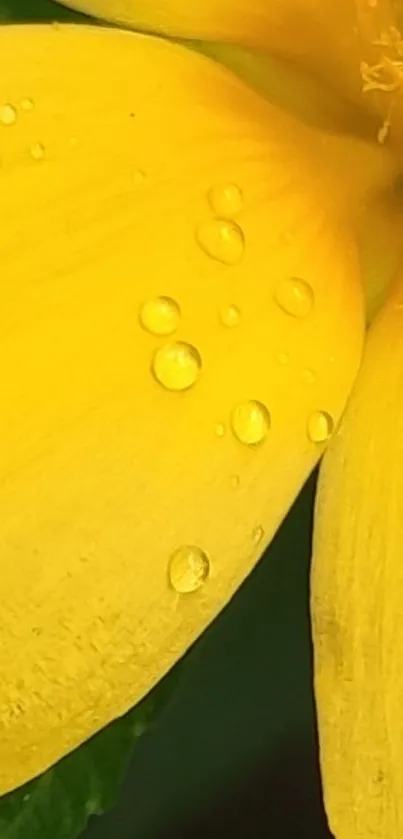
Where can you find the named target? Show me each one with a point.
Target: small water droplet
(221, 239)
(220, 429)
(283, 358)
(308, 376)
(188, 569)
(226, 199)
(177, 366)
(295, 297)
(160, 315)
(139, 177)
(257, 535)
(229, 315)
(37, 151)
(8, 114)
(250, 422)
(27, 104)
(320, 426)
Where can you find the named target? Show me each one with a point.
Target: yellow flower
(187, 249)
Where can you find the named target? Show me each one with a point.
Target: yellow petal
(330, 40)
(150, 447)
(357, 585)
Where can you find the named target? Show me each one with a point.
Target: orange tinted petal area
(357, 584)
(181, 324)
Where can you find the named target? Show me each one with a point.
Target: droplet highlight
(177, 366)
(250, 422)
(226, 199)
(222, 240)
(295, 297)
(188, 569)
(229, 316)
(160, 315)
(320, 426)
(8, 114)
(37, 151)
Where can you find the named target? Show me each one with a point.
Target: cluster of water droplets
(9, 115)
(177, 365)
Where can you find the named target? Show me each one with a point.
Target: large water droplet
(320, 426)
(250, 422)
(188, 569)
(177, 366)
(160, 315)
(8, 114)
(295, 297)
(226, 199)
(221, 239)
(229, 315)
(37, 151)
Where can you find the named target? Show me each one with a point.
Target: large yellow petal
(357, 592)
(332, 40)
(135, 170)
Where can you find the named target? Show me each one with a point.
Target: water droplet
(27, 104)
(230, 315)
(295, 297)
(221, 239)
(308, 376)
(37, 151)
(250, 422)
(8, 114)
(320, 426)
(188, 569)
(283, 358)
(257, 535)
(220, 429)
(177, 366)
(139, 177)
(226, 199)
(160, 315)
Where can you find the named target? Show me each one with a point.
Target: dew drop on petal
(177, 366)
(37, 151)
(295, 297)
(308, 376)
(250, 422)
(220, 429)
(8, 114)
(160, 315)
(257, 535)
(320, 426)
(27, 104)
(188, 569)
(229, 315)
(226, 199)
(222, 240)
